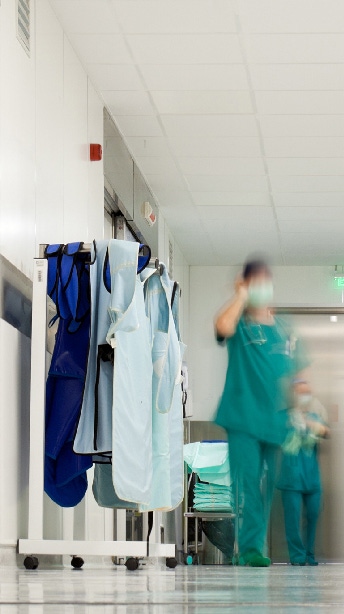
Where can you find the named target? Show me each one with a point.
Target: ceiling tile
(235, 219)
(212, 126)
(211, 77)
(171, 180)
(308, 103)
(305, 213)
(292, 16)
(176, 16)
(91, 17)
(222, 166)
(235, 248)
(128, 103)
(293, 183)
(114, 77)
(295, 48)
(216, 147)
(210, 183)
(173, 75)
(304, 147)
(148, 146)
(194, 103)
(309, 199)
(203, 199)
(185, 49)
(309, 242)
(158, 164)
(312, 225)
(189, 218)
(173, 197)
(305, 166)
(138, 125)
(314, 258)
(297, 76)
(302, 125)
(101, 48)
(197, 249)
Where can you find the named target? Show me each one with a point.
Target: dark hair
(254, 267)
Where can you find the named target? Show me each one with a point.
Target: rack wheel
(31, 562)
(171, 562)
(188, 559)
(132, 564)
(77, 562)
(195, 559)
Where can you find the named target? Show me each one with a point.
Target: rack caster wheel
(77, 562)
(171, 562)
(132, 564)
(188, 559)
(195, 559)
(31, 562)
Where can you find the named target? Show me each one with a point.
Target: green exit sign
(339, 282)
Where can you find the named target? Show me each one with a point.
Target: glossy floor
(191, 590)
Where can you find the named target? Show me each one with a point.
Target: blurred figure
(300, 479)
(263, 358)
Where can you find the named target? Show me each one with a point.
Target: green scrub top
(262, 361)
(300, 472)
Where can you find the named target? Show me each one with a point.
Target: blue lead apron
(65, 479)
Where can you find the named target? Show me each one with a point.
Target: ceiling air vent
(23, 24)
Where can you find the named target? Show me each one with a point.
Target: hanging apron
(166, 361)
(176, 414)
(103, 490)
(129, 336)
(65, 479)
(93, 434)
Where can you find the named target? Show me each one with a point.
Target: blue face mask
(260, 294)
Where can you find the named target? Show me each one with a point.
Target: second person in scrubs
(262, 359)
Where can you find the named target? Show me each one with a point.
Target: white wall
(14, 442)
(49, 113)
(210, 287)
(49, 192)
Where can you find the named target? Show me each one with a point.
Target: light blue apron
(129, 336)
(166, 371)
(93, 434)
(176, 416)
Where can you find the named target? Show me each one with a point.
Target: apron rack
(36, 544)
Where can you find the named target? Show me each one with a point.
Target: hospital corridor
(171, 306)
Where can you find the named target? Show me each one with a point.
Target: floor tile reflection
(186, 590)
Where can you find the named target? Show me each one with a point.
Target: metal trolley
(37, 544)
(191, 557)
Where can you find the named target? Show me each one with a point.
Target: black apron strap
(175, 287)
(150, 527)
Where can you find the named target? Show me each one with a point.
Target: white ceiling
(234, 112)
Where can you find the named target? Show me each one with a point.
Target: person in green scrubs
(263, 358)
(299, 479)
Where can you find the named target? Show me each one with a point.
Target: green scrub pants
(301, 550)
(249, 458)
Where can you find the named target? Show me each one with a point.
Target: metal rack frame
(35, 543)
(197, 515)
(189, 513)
